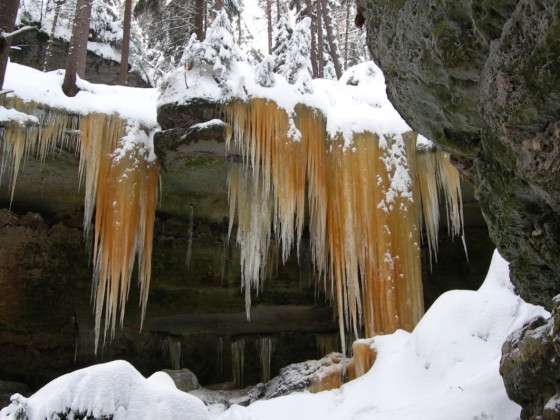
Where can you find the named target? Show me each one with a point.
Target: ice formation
(117, 170)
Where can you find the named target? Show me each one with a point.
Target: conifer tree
(217, 53)
(282, 35)
(327, 7)
(265, 72)
(77, 53)
(123, 78)
(298, 64)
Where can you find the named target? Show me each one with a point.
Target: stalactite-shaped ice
(238, 361)
(363, 206)
(264, 345)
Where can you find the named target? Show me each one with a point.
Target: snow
(9, 115)
(447, 368)
(207, 124)
(135, 104)
(104, 50)
(348, 108)
(113, 388)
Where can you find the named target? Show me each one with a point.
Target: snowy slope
(135, 104)
(113, 388)
(447, 368)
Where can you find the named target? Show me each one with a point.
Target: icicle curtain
(120, 196)
(362, 204)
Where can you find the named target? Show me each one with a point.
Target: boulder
(185, 380)
(530, 366)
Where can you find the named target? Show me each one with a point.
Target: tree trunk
(277, 10)
(269, 22)
(125, 42)
(205, 16)
(77, 53)
(199, 19)
(330, 38)
(346, 33)
(48, 51)
(7, 23)
(239, 24)
(320, 47)
(309, 9)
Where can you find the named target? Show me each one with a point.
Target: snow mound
(134, 104)
(447, 368)
(111, 390)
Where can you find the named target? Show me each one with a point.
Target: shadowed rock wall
(481, 79)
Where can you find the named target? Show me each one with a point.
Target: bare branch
(7, 36)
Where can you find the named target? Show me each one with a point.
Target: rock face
(184, 379)
(32, 49)
(530, 366)
(481, 79)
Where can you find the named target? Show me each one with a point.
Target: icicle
(122, 191)
(438, 180)
(326, 344)
(190, 235)
(238, 361)
(363, 205)
(220, 354)
(264, 345)
(174, 347)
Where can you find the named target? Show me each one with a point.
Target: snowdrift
(111, 390)
(447, 368)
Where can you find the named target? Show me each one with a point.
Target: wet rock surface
(530, 367)
(8, 388)
(479, 79)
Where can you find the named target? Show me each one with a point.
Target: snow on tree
(298, 65)
(329, 8)
(147, 56)
(106, 23)
(265, 72)
(216, 54)
(282, 35)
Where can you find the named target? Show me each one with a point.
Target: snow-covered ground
(110, 389)
(447, 368)
(135, 104)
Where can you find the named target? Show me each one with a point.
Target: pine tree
(216, 54)
(105, 23)
(328, 7)
(123, 78)
(265, 72)
(298, 65)
(282, 36)
(77, 53)
(48, 51)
